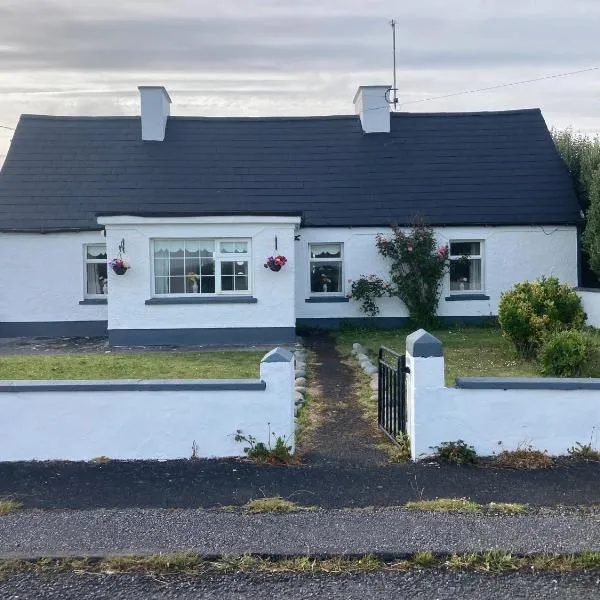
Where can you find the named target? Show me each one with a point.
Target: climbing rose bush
(417, 267)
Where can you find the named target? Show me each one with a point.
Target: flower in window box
(275, 262)
(119, 265)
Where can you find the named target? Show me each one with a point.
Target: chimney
(370, 102)
(155, 110)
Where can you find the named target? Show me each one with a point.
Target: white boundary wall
(591, 305)
(495, 414)
(80, 420)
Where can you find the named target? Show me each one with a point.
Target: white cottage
(196, 205)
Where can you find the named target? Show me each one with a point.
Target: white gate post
(425, 360)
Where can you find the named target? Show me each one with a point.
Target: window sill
(206, 300)
(464, 297)
(327, 299)
(90, 301)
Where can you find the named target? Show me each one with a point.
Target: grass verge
(492, 561)
(465, 505)
(8, 506)
(133, 365)
(275, 504)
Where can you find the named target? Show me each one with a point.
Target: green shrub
(534, 309)
(565, 353)
(456, 453)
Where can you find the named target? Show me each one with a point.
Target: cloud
(301, 57)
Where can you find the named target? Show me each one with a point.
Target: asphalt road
(212, 483)
(383, 531)
(413, 585)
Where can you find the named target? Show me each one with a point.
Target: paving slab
(387, 532)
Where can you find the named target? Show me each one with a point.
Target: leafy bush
(533, 309)
(457, 453)
(417, 269)
(584, 452)
(565, 353)
(260, 452)
(366, 289)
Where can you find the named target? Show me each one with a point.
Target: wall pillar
(425, 360)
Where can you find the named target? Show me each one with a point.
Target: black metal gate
(391, 395)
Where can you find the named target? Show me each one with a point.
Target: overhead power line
(502, 85)
(6, 127)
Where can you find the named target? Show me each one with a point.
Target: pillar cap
(422, 344)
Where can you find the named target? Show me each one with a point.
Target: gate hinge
(405, 369)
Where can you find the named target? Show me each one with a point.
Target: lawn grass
(134, 365)
(469, 351)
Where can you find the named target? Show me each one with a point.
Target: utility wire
(502, 85)
(6, 127)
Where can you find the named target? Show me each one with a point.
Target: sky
(300, 57)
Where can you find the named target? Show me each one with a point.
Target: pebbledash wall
(591, 304)
(265, 315)
(496, 413)
(43, 285)
(511, 255)
(81, 420)
(43, 278)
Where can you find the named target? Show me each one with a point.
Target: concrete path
(391, 531)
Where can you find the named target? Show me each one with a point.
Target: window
(326, 275)
(466, 266)
(201, 266)
(96, 281)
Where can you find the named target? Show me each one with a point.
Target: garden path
(342, 433)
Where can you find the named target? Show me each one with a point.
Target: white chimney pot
(370, 103)
(155, 111)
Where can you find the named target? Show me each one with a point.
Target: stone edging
(368, 367)
(300, 383)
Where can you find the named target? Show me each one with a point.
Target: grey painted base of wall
(246, 336)
(387, 322)
(54, 329)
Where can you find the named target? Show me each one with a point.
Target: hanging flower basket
(275, 262)
(119, 265)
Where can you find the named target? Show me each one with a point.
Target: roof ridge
(400, 114)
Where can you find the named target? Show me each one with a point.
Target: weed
(260, 452)
(526, 458)
(401, 452)
(445, 505)
(8, 506)
(456, 453)
(275, 504)
(424, 559)
(506, 507)
(584, 452)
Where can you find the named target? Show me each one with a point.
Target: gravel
(413, 585)
(392, 531)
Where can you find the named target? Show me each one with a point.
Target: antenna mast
(394, 96)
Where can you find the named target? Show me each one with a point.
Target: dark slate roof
(488, 168)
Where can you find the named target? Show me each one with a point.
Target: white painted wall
(512, 254)
(43, 277)
(274, 291)
(145, 424)
(494, 420)
(591, 305)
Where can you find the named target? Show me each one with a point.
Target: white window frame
(326, 260)
(92, 261)
(480, 256)
(218, 257)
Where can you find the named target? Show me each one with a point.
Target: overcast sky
(284, 57)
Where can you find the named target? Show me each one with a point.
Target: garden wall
(494, 414)
(157, 419)
(591, 305)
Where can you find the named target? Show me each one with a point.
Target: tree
(581, 155)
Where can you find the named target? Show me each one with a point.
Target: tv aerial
(391, 95)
